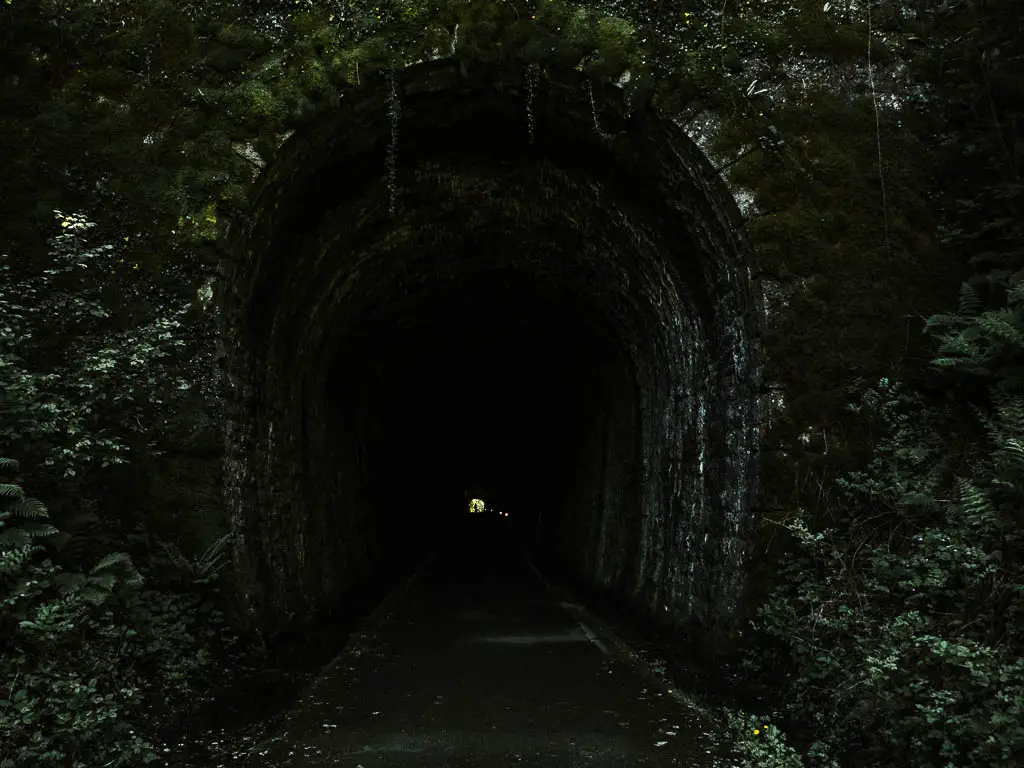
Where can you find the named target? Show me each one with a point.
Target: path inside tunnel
(563, 317)
(478, 664)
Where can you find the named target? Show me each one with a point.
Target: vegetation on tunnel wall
(877, 147)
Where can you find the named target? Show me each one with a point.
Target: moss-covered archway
(547, 296)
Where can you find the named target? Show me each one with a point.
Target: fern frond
(1001, 325)
(957, 344)
(1010, 412)
(972, 500)
(942, 321)
(11, 491)
(920, 500)
(1013, 449)
(9, 464)
(214, 558)
(1006, 431)
(103, 581)
(69, 583)
(28, 508)
(175, 555)
(970, 302)
(1015, 293)
(38, 530)
(961, 363)
(109, 560)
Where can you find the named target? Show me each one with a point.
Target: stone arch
(595, 260)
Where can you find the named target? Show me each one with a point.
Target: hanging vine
(531, 84)
(394, 112)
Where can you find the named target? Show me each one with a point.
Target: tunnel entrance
(558, 311)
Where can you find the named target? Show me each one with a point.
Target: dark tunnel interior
(493, 384)
(558, 319)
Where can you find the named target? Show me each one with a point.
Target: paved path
(477, 664)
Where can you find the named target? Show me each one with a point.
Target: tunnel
(471, 276)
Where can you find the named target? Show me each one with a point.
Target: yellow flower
(756, 731)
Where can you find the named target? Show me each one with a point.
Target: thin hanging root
(530, 75)
(593, 109)
(878, 138)
(394, 110)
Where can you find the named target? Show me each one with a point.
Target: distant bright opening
(476, 506)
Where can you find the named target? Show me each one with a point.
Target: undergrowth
(898, 611)
(96, 661)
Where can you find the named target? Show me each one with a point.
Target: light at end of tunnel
(476, 506)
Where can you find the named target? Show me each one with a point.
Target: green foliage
(903, 626)
(911, 461)
(761, 745)
(985, 343)
(60, 702)
(61, 414)
(86, 654)
(897, 609)
(204, 569)
(896, 613)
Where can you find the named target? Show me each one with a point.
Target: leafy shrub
(87, 654)
(89, 353)
(61, 703)
(901, 621)
(760, 744)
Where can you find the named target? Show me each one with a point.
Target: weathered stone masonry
(626, 241)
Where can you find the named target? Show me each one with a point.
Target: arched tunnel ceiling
(562, 314)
